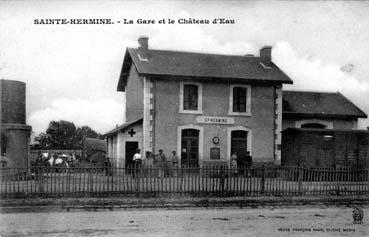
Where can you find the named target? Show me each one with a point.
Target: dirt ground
(332, 221)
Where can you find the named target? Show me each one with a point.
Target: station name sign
(214, 120)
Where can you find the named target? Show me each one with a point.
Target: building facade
(328, 148)
(15, 134)
(203, 106)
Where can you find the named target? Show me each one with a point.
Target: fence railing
(206, 181)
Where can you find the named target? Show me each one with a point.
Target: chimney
(143, 48)
(266, 56)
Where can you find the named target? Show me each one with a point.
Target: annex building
(203, 106)
(320, 129)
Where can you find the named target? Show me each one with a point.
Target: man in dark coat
(108, 167)
(248, 159)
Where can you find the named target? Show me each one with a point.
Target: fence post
(68, 183)
(299, 179)
(262, 190)
(90, 181)
(137, 170)
(112, 170)
(366, 178)
(222, 178)
(40, 178)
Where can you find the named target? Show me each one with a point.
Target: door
(325, 152)
(131, 148)
(239, 145)
(190, 148)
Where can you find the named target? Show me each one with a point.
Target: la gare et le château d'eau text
(102, 21)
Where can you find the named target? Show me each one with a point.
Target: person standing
(169, 166)
(137, 159)
(175, 161)
(38, 164)
(108, 167)
(148, 162)
(160, 161)
(248, 159)
(241, 162)
(234, 158)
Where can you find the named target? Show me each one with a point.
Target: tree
(44, 140)
(82, 133)
(63, 135)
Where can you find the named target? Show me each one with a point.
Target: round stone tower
(15, 134)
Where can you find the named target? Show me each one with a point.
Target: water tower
(14, 133)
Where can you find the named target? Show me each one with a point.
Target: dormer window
(190, 98)
(240, 100)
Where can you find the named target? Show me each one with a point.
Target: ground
(312, 221)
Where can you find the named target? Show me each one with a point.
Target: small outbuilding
(335, 148)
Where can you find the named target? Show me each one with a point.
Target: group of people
(164, 166)
(55, 160)
(240, 162)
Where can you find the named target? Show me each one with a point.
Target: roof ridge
(321, 92)
(202, 53)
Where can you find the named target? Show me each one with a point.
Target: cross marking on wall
(131, 132)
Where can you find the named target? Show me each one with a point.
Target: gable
(124, 127)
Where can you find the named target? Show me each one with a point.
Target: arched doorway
(190, 148)
(239, 142)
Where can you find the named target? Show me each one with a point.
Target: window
(190, 98)
(3, 145)
(313, 125)
(239, 101)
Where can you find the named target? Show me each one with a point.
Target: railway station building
(203, 106)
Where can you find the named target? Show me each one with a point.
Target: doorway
(131, 148)
(190, 148)
(239, 144)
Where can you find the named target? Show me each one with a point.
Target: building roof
(305, 104)
(123, 126)
(199, 65)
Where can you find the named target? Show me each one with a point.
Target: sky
(71, 71)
